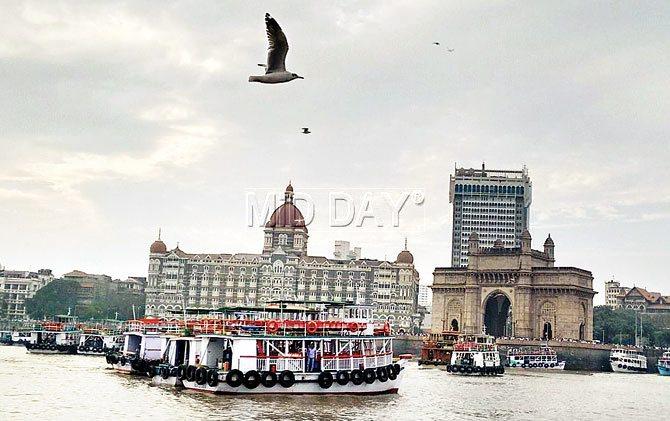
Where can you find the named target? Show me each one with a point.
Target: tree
(618, 326)
(57, 297)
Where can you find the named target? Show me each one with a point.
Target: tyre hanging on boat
(165, 372)
(190, 373)
(213, 378)
(268, 378)
(234, 378)
(252, 379)
(201, 376)
(369, 375)
(357, 377)
(382, 374)
(181, 372)
(393, 375)
(342, 378)
(286, 378)
(325, 379)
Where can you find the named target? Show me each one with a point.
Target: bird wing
(278, 46)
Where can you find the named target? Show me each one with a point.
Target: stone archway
(498, 315)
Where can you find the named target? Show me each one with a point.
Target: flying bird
(436, 43)
(305, 130)
(275, 70)
(451, 50)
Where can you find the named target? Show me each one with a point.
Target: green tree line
(618, 326)
(60, 295)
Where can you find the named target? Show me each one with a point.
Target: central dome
(287, 215)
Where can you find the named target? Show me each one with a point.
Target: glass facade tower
(493, 203)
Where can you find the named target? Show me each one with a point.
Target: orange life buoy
(353, 327)
(272, 326)
(387, 328)
(312, 327)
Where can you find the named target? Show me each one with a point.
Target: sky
(118, 118)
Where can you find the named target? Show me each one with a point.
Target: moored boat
(143, 346)
(542, 357)
(664, 364)
(628, 360)
(57, 337)
(97, 342)
(290, 349)
(476, 354)
(180, 352)
(437, 349)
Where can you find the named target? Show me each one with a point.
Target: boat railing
(279, 363)
(354, 361)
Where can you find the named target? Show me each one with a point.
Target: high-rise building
(16, 286)
(614, 293)
(493, 203)
(283, 271)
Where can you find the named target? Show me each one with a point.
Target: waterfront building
(637, 298)
(493, 203)
(513, 291)
(131, 285)
(16, 286)
(614, 293)
(282, 270)
(91, 285)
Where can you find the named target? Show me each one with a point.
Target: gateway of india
(282, 271)
(513, 292)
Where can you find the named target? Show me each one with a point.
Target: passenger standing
(311, 358)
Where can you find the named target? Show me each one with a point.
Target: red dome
(405, 257)
(158, 247)
(286, 216)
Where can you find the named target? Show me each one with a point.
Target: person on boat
(311, 357)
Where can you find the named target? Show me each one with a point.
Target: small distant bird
(436, 43)
(305, 130)
(275, 70)
(451, 50)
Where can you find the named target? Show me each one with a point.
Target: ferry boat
(664, 364)
(6, 337)
(534, 358)
(20, 337)
(95, 342)
(476, 354)
(58, 337)
(286, 348)
(437, 349)
(180, 352)
(627, 360)
(143, 346)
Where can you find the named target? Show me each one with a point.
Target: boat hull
(171, 381)
(627, 369)
(664, 371)
(305, 384)
(558, 366)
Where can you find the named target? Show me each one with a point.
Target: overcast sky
(119, 118)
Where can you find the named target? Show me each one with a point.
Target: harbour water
(80, 387)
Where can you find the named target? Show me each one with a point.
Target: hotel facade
(283, 270)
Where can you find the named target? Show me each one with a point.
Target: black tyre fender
(252, 379)
(268, 378)
(190, 373)
(181, 372)
(286, 378)
(397, 368)
(369, 375)
(461, 369)
(469, 369)
(234, 378)
(448, 368)
(342, 378)
(165, 372)
(357, 377)
(392, 374)
(201, 376)
(325, 379)
(213, 378)
(382, 375)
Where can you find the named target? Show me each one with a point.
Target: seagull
(275, 70)
(436, 43)
(305, 130)
(451, 50)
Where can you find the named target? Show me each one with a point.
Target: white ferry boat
(286, 348)
(628, 360)
(180, 352)
(95, 342)
(54, 337)
(534, 358)
(664, 364)
(143, 346)
(475, 354)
